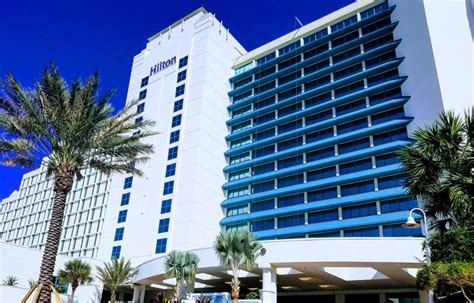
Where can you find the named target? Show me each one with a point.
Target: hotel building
(294, 141)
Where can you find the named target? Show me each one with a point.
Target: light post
(411, 223)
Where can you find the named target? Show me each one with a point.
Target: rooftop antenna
(299, 22)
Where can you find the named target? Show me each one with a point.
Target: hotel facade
(294, 141)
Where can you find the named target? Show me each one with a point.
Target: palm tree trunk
(72, 293)
(62, 186)
(235, 289)
(112, 297)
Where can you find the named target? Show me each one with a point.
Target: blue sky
(89, 35)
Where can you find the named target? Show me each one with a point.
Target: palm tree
(75, 272)
(10, 281)
(440, 169)
(116, 274)
(183, 267)
(69, 128)
(237, 250)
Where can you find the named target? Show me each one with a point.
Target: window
(331, 234)
(181, 76)
(392, 206)
(289, 93)
(264, 103)
(161, 246)
(380, 59)
(240, 142)
(289, 48)
(317, 83)
(318, 117)
(179, 90)
(376, 25)
(363, 232)
(392, 181)
(346, 55)
(343, 24)
(239, 175)
(378, 42)
(138, 120)
(391, 74)
(165, 206)
(359, 211)
(125, 199)
(344, 39)
(164, 225)
(264, 118)
(122, 216)
(350, 107)
(264, 134)
(262, 225)
(397, 113)
(398, 231)
(356, 86)
(288, 162)
(313, 52)
(322, 194)
(116, 252)
(347, 71)
(320, 135)
(284, 128)
(323, 216)
(290, 181)
(170, 170)
(351, 126)
(142, 95)
(242, 97)
(172, 153)
(174, 136)
(144, 81)
(239, 112)
(288, 78)
(290, 143)
(262, 205)
(320, 154)
(183, 61)
(291, 221)
(128, 182)
(290, 200)
(354, 146)
(178, 105)
(265, 168)
(387, 159)
(320, 174)
(176, 121)
(316, 36)
(264, 186)
(238, 192)
(265, 58)
(263, 88)
(168, 188)
(119, 234)
(243, 82)
(267, 150)
(242, 126)
(140, 108)
(357, 188)
(317, 100)
(237, 210)
(374, 10)
(356, 166)
(289, 62)
(387, 137)
(239, 158)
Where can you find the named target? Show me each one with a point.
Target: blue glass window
(164, 225)
(125, 199)
(380, 59)
(354, 146)
(243, 82)
(142, 95)
(397, 113)
(140, 108)
(376, 25)
(170, 170)
(262, 205)
(346, 55)
(320, 135)
(263, 88)
(363, 232)
(316, 66)
(359, 211)
(262, 225)
(267, 150)
(264, 134)
(289, 109)
(320, 154)
(174, 136)
(347, 71)
(183, 61)
(288, 162)
(264, 186)
(290, 200)
(291, 221)
(265, 168)
(355, 166)
(351, 126)
(165, 206)
(350, 107)
(284, 128)
(317, 100)
(391, 74)
(391, 206)
(356, 86)
(316, 36)
(122, 216)
(119, 234)
(374, 10)
(387, 159)
(323, 216)
(179, 90)
(265, 58)
(357, 188)
(176, 121)
(265, 72)
(116, 252)
(128, 182)
(343, 24)
(168, 188)
(318, 117)
(144, 81)
(321, 174)
(392, 181)
(172, 153)
(322, 194)
(387, 137)
(178, 105)
(289, 93)
(378, 42)
(264, 118)
(289, 48)
(161, 246)
(138, 120)
(317, 83)
(264, 103)
(181, 76)
(290, 143)
(289, 77)
(398, 231)
(291, 180)
(331, 234)
(346, 38)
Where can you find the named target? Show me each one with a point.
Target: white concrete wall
(24, 263)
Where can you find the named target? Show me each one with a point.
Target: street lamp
(411, 223)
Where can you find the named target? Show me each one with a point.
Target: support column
(269, 286)
(136, 293)
(340, 299)
(426, 296)
(142, 293)
(382, 298)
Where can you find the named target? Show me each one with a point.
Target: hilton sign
(162, 65)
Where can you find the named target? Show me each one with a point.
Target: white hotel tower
(181, 78)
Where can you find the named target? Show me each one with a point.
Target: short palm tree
(10, 281)
(237, 250)
(183, 267)
(440, 171)
(75, 272)
(69, 128)
(116, 274)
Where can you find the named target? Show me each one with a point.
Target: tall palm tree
(440, 169)
(75, 272)
(237, 250)
(69, 127)
(116, 274)
(183, 267)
